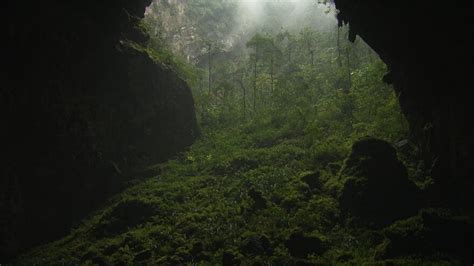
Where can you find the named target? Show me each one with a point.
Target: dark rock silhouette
(431, 232)
(376, 190)
(81, 112)
(428, 50)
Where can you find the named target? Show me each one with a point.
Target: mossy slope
(228, 200)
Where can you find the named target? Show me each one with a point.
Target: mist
(274, 16)
(294, 15)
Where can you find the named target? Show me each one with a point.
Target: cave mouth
(304, 152)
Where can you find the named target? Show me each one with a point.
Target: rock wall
(80, 112)
(428, 48)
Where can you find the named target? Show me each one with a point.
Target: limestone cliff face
(171, 23)
(428, 48)
(80, 113)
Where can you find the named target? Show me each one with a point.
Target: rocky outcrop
(428, 49)
(375, 188)
(429, 234)
(80, 112)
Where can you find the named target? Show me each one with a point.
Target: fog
(293, 14)
(188, 25)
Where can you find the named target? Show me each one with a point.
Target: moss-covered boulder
(374, 188)
(432, 233)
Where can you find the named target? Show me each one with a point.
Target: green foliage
(201, 207)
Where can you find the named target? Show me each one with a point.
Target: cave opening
(236, 132)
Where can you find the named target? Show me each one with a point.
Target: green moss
(432, 234)
(230, 199)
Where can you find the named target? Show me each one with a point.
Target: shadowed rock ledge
(80, 113)
(428, 49)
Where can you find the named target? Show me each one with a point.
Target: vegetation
(265, 183)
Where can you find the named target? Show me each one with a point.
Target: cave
(81, 110)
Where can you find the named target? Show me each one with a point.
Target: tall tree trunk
(210, 69)
(255, 79)
(271, 74)
(289, 54)
(201, 91)
(244, 93)
(339, 47)
(349, 86)
(349, 69)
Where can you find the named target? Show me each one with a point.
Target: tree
(209, 64)
(256, 41)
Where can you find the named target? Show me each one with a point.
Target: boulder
(430, 233)
(375, 189)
